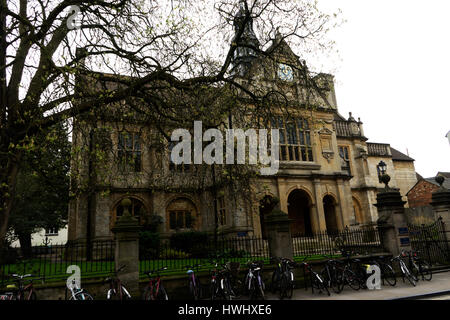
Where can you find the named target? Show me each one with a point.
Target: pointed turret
(247, 43)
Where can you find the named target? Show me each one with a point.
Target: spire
(243, 56)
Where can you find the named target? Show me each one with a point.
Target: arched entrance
(266, 206)
(299, 211)
(329, 208)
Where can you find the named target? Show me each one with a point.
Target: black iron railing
(361, 241)
(240, 249)
(50, 263)
(432, 241)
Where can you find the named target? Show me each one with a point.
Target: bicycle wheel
(388, 274)
(319, 284)
(125, 294)
(193, 290)
(162, 294)
(408, 275)
(425, 270)
(276, 283)
(352, 280)
(290, 285)
(213, 290)
(336, 281)
(81, 296)
(283, 287)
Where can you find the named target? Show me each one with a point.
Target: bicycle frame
(152, 282)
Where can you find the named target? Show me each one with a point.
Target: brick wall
(420, 195)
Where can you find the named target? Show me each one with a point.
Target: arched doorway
(358, 211)
(299, 211)
(181, 214)
(329, 208)
(266, 206)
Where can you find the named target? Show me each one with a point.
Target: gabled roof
(446, 183)
(432, 180)
(399, 156)
(444, 174)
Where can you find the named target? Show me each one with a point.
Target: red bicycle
(117, 290)
(155, 289)
(21, 291)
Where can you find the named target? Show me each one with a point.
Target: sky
(392, 69)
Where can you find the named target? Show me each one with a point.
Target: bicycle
(419, 266)
(317, 281)
(283, 278)
(77, 293)
(406, 273)
(155, 289)
(347, 275)
(254, 283)
(331, 274)
(20, 292)
(220, 283)
(195, 288)
(387, 272)
(117, 290)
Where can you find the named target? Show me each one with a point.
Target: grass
(54, 271)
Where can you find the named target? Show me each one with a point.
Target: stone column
(441, 202)
(319, 223)
(126, 231)
(392, 223)
(342, 220)
(279, 234)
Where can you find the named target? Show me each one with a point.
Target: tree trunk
(8, 179)
(25, 244)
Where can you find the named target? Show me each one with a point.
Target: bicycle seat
(11, 287)
(356, 260)
(190, 271)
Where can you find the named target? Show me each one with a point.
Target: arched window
(137, 210)
(181, 214)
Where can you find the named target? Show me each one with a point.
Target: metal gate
(432, 241)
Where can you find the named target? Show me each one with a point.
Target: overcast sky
(393, 71)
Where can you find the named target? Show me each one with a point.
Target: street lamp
(381, 168)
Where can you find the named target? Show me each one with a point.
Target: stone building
(328, 176)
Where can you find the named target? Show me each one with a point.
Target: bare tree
(165, 49)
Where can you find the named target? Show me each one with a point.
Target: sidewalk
(439, 282)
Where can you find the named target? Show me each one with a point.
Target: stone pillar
(126, 231)
(441, 202)
(279, 234)
(319, 223)
(344, 206)
(392, 223)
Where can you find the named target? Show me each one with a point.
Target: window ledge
(299, 165)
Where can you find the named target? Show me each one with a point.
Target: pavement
(440, 283)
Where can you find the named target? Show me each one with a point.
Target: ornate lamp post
(381, 168)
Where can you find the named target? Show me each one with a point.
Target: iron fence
(362, 241)
(51, 262)
(240, 249)
(432, 241)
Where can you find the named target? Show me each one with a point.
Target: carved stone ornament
(326, 143)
